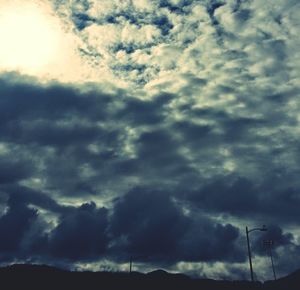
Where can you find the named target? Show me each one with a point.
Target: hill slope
(44, 277)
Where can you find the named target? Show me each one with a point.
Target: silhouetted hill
(161, 274)
(36, 277)
(290, 282)
(25, 268)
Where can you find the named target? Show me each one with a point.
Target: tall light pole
(262, 229)
(269, 244)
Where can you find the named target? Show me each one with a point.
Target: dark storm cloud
(158, 149)
(80, 235)
(14, 170)
(239, 198)
(196, 135)
(149, 226)
(56, 123)
(88, 130)
(24, 101)
(145, 224)
(13, 226)
(157, 153)
(242, 198)
(82, 141)
(204, 241)
(27, 196)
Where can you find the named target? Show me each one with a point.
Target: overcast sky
(153, 129)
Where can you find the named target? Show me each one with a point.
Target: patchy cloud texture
(197, 137)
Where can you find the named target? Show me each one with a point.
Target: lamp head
(263, 229)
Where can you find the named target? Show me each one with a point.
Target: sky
(156, 130)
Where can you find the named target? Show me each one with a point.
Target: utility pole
(269, 244)
(130, 264)
(249, 255)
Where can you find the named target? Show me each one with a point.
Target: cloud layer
(196, 138)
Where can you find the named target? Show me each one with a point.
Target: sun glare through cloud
(29, 39)
(35, 42)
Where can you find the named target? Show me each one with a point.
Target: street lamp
(268, 244)
(130, 264)
(262, 229)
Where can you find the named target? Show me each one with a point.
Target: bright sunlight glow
(29, 40)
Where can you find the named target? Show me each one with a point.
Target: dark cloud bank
(146, 222)
(63, 149)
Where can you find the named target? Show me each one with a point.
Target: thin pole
(249, 255)
(271, 255)
(130, 264)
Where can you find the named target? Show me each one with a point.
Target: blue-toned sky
(153, 129)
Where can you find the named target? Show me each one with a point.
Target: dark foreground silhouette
(35, 277)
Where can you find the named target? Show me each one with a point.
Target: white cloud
(144, 5)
